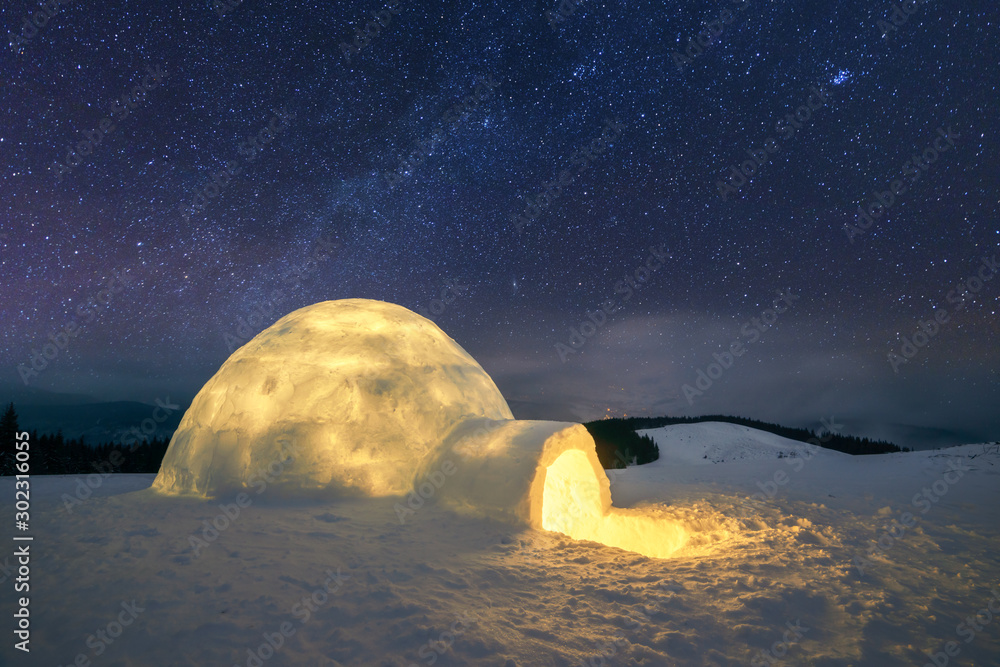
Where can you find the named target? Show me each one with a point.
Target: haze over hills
(26, 395)
(913, 436)
(79, 415)
(918, 437)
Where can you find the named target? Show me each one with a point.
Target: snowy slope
(445, 589)
(719, 442)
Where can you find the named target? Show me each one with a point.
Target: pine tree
(8, 435)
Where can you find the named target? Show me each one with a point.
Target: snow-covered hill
(719, 442)
(773, 581)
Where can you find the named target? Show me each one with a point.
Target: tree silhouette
(614, 441)
(8, 434)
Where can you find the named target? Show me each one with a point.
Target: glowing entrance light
(377, 400)
(572, 505)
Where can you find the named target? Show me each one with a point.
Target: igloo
(367, 398)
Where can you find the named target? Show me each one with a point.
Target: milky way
(175, 179)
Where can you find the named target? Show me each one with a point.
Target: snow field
(777, 586)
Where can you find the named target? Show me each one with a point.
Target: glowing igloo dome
(356, 392)
(369, 398)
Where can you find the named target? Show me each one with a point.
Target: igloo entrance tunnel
(362, 397)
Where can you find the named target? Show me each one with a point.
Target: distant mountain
(98, 422)
(21, 394)
(79, 415)
(918, 437)
(616, 432)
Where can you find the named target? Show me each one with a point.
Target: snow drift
(368, 398)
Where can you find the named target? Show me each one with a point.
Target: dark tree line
(847, 444)
(58, 455)
(8, 436)
(618, 445)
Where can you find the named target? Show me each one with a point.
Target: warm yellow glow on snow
(571, 504)
(365, 389)
(361, 397)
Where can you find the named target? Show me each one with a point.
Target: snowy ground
(768, 582)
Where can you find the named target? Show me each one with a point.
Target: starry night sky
(311, 213)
